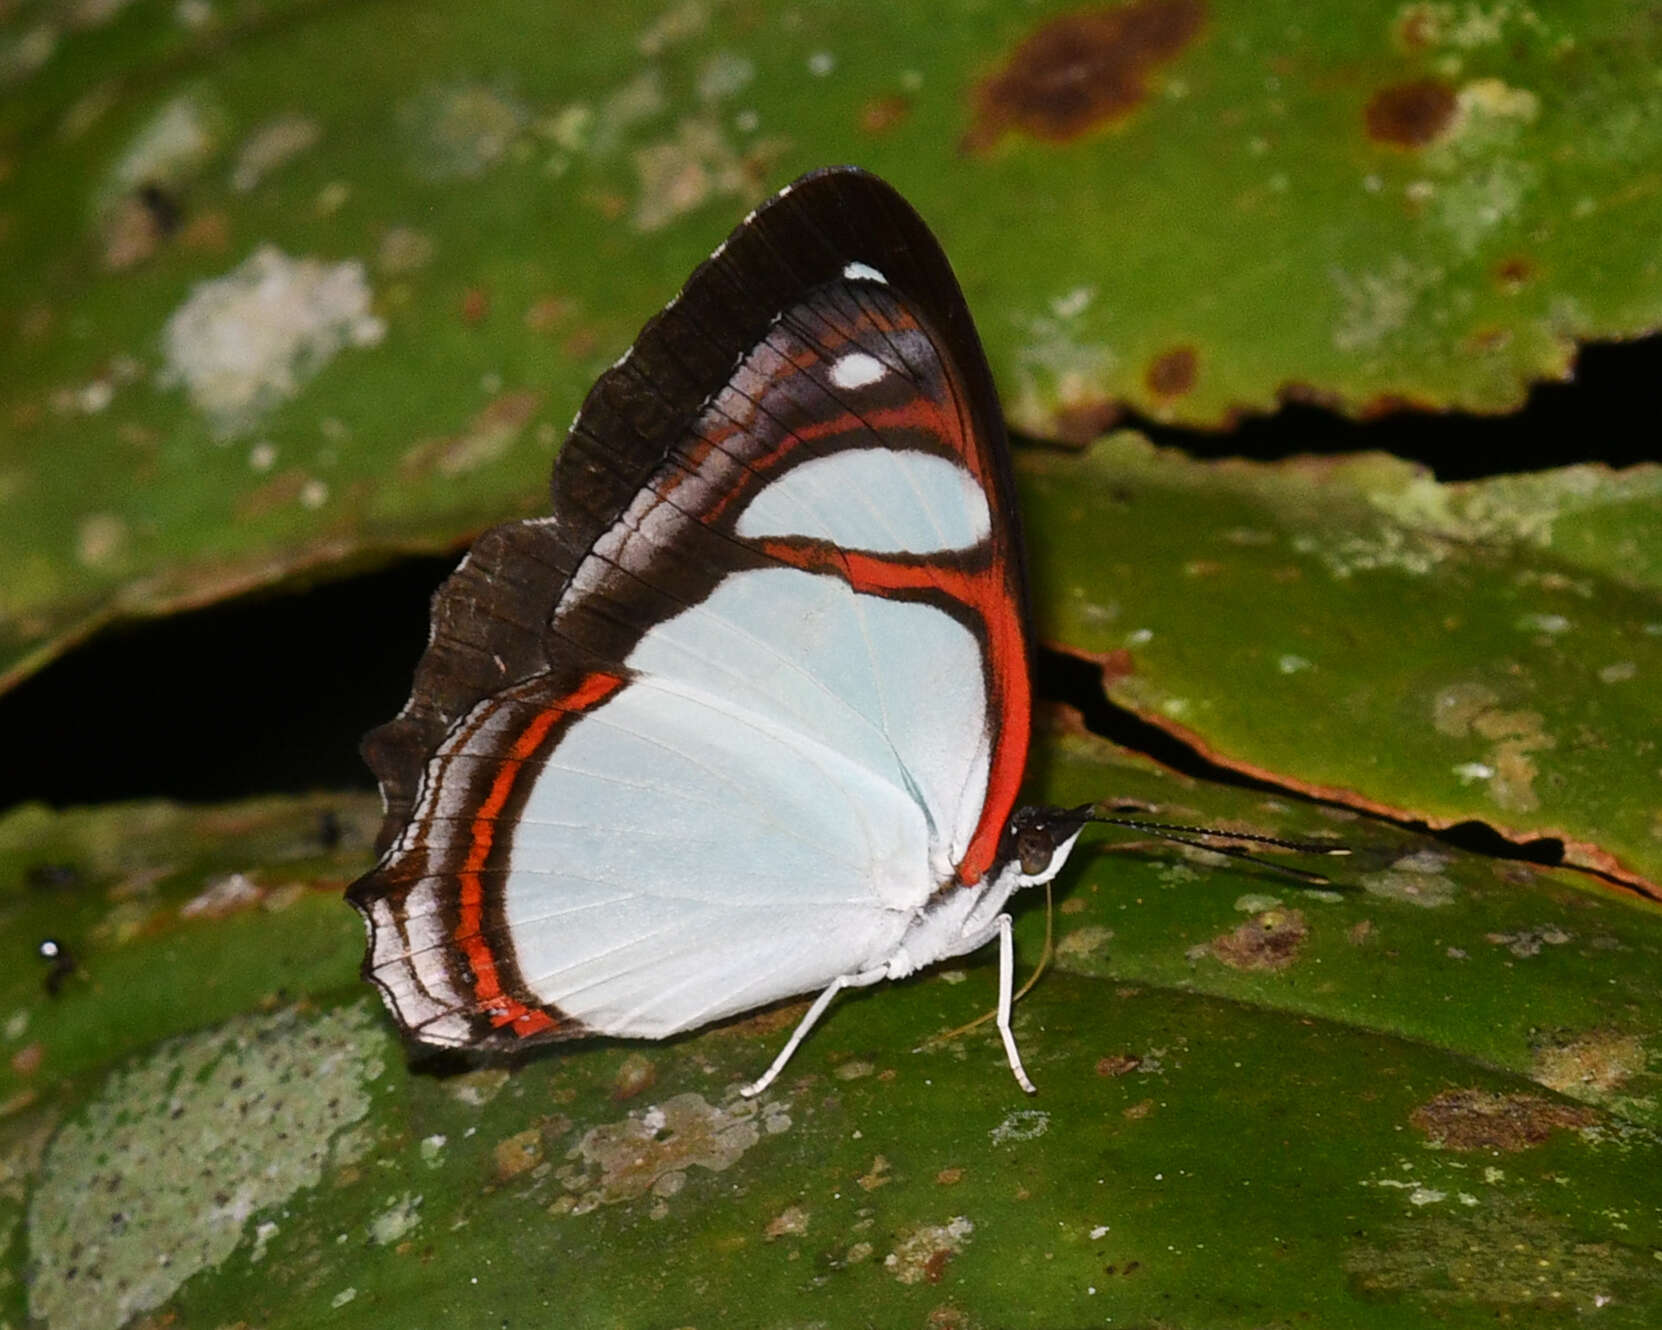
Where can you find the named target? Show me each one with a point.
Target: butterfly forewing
(715, 732)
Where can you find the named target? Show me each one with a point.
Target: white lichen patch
(1507, 768)
(100, 540)
(680, 22)
(1083, 943)
(243, 343)
(270, 146)
(1024, 1124)
(1413, 880)
(724, 74)
(225, 895)
(403, 249)
(169, 150)
(1526, 942)
(24, 51)
(459, 131)
(157, 1178)
(686, 171)
(477, 1088)
(922, 1252)
(1375, 305)
(1465, 26)
(1059, 364)
(650, 1151)
(401, 1216)
(1485, 177)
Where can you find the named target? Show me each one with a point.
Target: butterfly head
(1038, 840)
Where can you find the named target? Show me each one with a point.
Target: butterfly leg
(1006, 986)
(808, 1022)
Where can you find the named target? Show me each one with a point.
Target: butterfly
(746, 716)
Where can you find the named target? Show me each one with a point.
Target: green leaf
(1430, 1091)
(282, 297)
(1353, 629)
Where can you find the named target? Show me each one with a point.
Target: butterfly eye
(1034, 847)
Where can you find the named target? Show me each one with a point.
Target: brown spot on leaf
(1418, 27)
(1271, 941)
(1081, 422)
(278, 492)
(1172, 373)
(921, 1254)
(548, 313)
(1119, 1065)
(1410, 115)
(636, 1074)
(1598, 1061)
(1117, 664)
(1482, 1120)
(476, 304)
(791, 1222)
(881, 114)
(517, 1153)
(1513, 274)
(1081, 71)
(495, 429)
(207, 233)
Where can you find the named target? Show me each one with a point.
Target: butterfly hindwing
(714, 732)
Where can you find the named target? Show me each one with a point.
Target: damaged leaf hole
(1581, 419)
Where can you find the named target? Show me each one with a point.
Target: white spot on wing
(857, 370)
(863, 272)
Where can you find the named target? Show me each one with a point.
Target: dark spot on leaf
(1481, 1120)
(1172, 373)
(329, 830)
(165, 211)
(881, 114)
(1410, 115)
(52, 877)
(1269, 942)
(1082, 422)
(935, 1266)
(1513, 274)
(1081, 71)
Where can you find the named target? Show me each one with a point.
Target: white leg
(807, 1023)
(1006, 983)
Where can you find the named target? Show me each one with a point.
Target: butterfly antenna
(1169, 832)
(1039, 969)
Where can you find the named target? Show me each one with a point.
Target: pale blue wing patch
(882, 500)
(767, 805)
